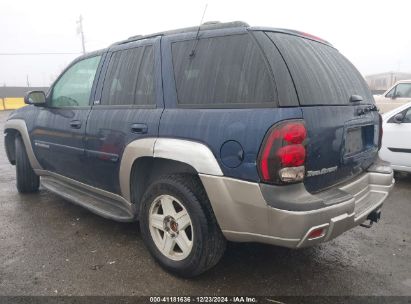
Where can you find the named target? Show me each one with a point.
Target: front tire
(26, 180)
(178, 226)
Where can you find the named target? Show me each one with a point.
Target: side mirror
(399, 118)
(37, 98)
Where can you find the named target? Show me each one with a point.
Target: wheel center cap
(174, 225)
(170, 225)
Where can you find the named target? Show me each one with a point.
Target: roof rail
(135, 38)
(209, 25)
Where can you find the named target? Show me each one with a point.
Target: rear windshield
(322, 76)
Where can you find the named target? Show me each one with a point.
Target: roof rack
(209, 25)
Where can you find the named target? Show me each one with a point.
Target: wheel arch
(146, 170)
(162, 156)
(12, 128)
(9, 144)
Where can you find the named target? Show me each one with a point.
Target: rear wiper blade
(356, 98)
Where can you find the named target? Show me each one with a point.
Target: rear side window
(322, 76)
(224, 71)
(130, 78)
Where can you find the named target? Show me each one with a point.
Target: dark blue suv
(207, 134)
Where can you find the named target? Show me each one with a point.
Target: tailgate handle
(356, 98)
(139, 128)
(75, 124)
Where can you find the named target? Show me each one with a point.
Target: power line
(35, 54)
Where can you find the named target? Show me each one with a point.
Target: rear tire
(26, 180)
(161, 225)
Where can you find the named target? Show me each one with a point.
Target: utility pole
(81, 33)
(27, 81)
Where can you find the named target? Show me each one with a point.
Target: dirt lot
(49, 246)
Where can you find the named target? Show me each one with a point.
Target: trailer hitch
(373, 217)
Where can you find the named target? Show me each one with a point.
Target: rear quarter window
(322, 76)
(225, 71)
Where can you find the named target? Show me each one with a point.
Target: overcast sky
(374, 35)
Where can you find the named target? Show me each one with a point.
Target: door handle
(75, 124)
(139, 128)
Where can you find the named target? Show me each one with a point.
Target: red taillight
(273, 136)
(294, 133)
(282, 155)
(292, 155)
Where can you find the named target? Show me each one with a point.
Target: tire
(26, 180)
(202, 233)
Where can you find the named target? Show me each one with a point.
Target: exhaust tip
(374, 216)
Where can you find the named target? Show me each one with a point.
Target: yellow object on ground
(1, 104)
(12, 103)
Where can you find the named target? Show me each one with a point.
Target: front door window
(74, 86)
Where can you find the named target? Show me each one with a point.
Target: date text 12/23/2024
(204, 299)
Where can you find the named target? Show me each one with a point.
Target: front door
(58, 135)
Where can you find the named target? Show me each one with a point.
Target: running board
(98, 203)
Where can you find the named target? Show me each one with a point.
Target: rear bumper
(245, 214)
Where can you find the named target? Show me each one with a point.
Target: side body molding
(195, 154)
(20, 126)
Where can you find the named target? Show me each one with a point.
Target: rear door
(343, 135)
(128, 106)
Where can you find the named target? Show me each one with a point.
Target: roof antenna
(193, 51)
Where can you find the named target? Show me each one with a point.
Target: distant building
(379, 83)
(18, 91)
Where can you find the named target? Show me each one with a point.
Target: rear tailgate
(341, 144)
(342, 135)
